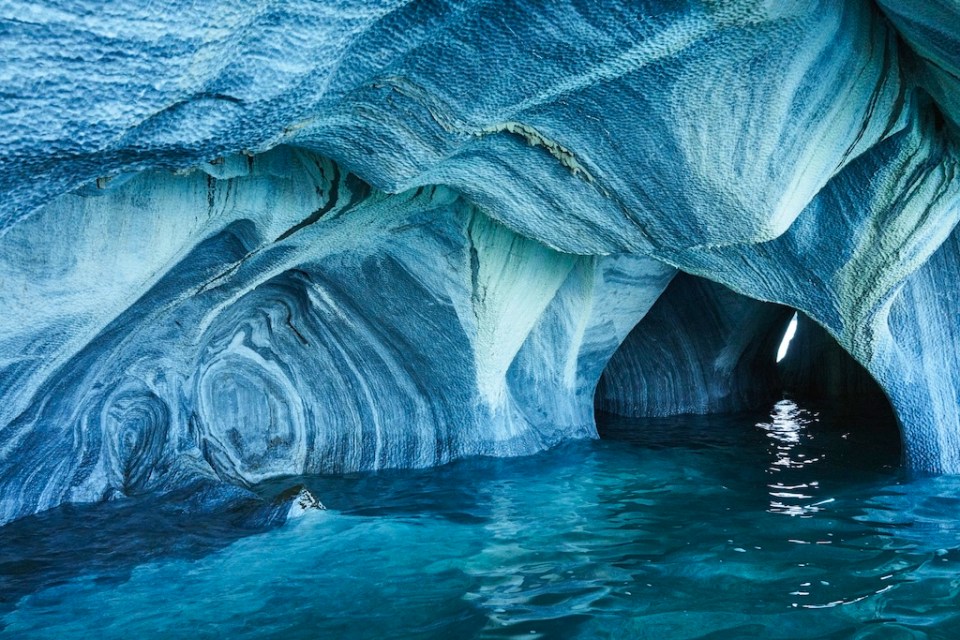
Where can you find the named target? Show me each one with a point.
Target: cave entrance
(705, 355)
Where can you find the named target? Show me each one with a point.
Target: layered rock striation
(240, 242)
(287, 318)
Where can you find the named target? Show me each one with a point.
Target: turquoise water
(792, 524)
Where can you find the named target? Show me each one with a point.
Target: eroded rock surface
(243, 241)
(296, 320)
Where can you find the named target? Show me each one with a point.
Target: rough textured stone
(853, 255)
(241, 241)
(930, 27)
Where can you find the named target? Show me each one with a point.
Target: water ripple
(628, 538)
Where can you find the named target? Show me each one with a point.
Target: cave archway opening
(706, 358)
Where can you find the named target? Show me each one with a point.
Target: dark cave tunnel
(705, 353)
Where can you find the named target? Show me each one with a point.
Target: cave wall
(930, 28)
(294, 320)
(592, 127)
(247, 240)
(918, 364)
(860, 249)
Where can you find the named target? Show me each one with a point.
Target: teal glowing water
(782, 526)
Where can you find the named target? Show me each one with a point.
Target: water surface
(793, 523)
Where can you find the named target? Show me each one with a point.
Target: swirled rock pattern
(531, 112)
(337, 328)
(248, 240)
(931, 29)
(862, 245)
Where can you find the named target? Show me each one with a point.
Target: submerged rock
(243, 242)
(293, 503)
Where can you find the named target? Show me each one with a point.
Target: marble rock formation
(242, 241)
(275, 316)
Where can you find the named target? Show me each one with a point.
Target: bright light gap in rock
(787, 337)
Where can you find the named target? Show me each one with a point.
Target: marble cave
(247, 244)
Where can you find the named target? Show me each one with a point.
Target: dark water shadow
(855, 440)
(108, 540)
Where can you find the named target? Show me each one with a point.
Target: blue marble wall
(247, 240)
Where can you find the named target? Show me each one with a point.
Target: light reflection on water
(791, 492)
(679, 529)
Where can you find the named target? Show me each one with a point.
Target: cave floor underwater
(796, 522)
